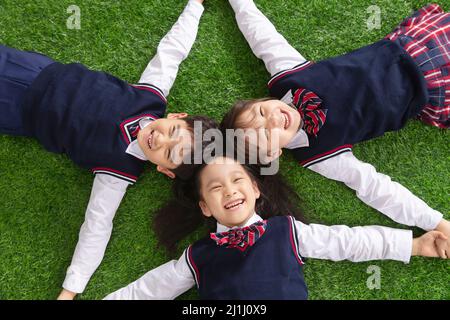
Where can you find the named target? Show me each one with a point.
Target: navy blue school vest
(271, 269)
(91, 116)
(367, 92)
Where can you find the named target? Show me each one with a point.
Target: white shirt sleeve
(107, 193)
(379, 191)
(355, 244)
(173, 49)
(264, 40)
(165, 282)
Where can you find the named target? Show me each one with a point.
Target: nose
(229, 191)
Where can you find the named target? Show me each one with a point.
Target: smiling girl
(320, 110)
(249, 257)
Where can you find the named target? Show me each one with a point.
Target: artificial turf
(43, 196)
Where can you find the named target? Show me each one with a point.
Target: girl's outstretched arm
(264, 40)
(165, 282)
(379, 191)
(366, 243)
(106, 196)
(355, 244)
(162, 70)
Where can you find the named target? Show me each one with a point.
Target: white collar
(254, 218)
(298, 141)
(133, 148)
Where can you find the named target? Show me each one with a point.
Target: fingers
(443, 236)
(442, 245)
(442, 248)
(437, 235)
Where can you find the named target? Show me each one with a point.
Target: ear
(177, 115)
(256, 190)
(205, 209)
(166, 171)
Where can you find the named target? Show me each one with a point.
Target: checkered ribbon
(240, 238)
(309, 105)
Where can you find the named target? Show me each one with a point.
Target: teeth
(234, 204)
(150, 140)
(286, 121)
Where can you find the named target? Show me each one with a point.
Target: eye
(215, 188)
(237, 179)
(261, 111)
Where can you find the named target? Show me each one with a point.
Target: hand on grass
(431, 244)
(66, 295)
(444, 227)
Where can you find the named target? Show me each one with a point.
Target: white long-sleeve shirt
(108, 191)
(373, 188)
(315, 241)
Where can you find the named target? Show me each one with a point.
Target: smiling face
(228, 193)
(163, 141)
(279, 121)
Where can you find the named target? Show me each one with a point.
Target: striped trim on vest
(130, 122)
(151, 88)
(284, 73)
(116, 173)
(192, 266)
(324, 156)
(294, 239)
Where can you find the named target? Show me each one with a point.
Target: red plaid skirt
(426, 37)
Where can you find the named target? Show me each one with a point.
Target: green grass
(43, 196)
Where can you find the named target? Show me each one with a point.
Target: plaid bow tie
(240, 238)
(309, 105)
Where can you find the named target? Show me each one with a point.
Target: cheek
(215, 200)
(248, 191)
(208, 198)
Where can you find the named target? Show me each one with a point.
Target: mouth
(234, 205)
(150, 139)
(286, 120)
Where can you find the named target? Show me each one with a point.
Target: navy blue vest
(367, 92)
(271, 269)
(91, 116)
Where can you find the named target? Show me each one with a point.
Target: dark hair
(185, 171)
(230, 119)
(182, 215)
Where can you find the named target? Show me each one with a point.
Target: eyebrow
(247, 124)
(177, 129)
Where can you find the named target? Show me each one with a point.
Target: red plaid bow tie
(240, 238)
(309, 105)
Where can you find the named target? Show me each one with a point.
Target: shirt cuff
(402, 244)
(236, 4)
(74, 282)
(430, 220)
(195, 7)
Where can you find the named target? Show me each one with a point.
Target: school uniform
(356, 97)
(91, 116)
(94, 118)
(266, 262)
